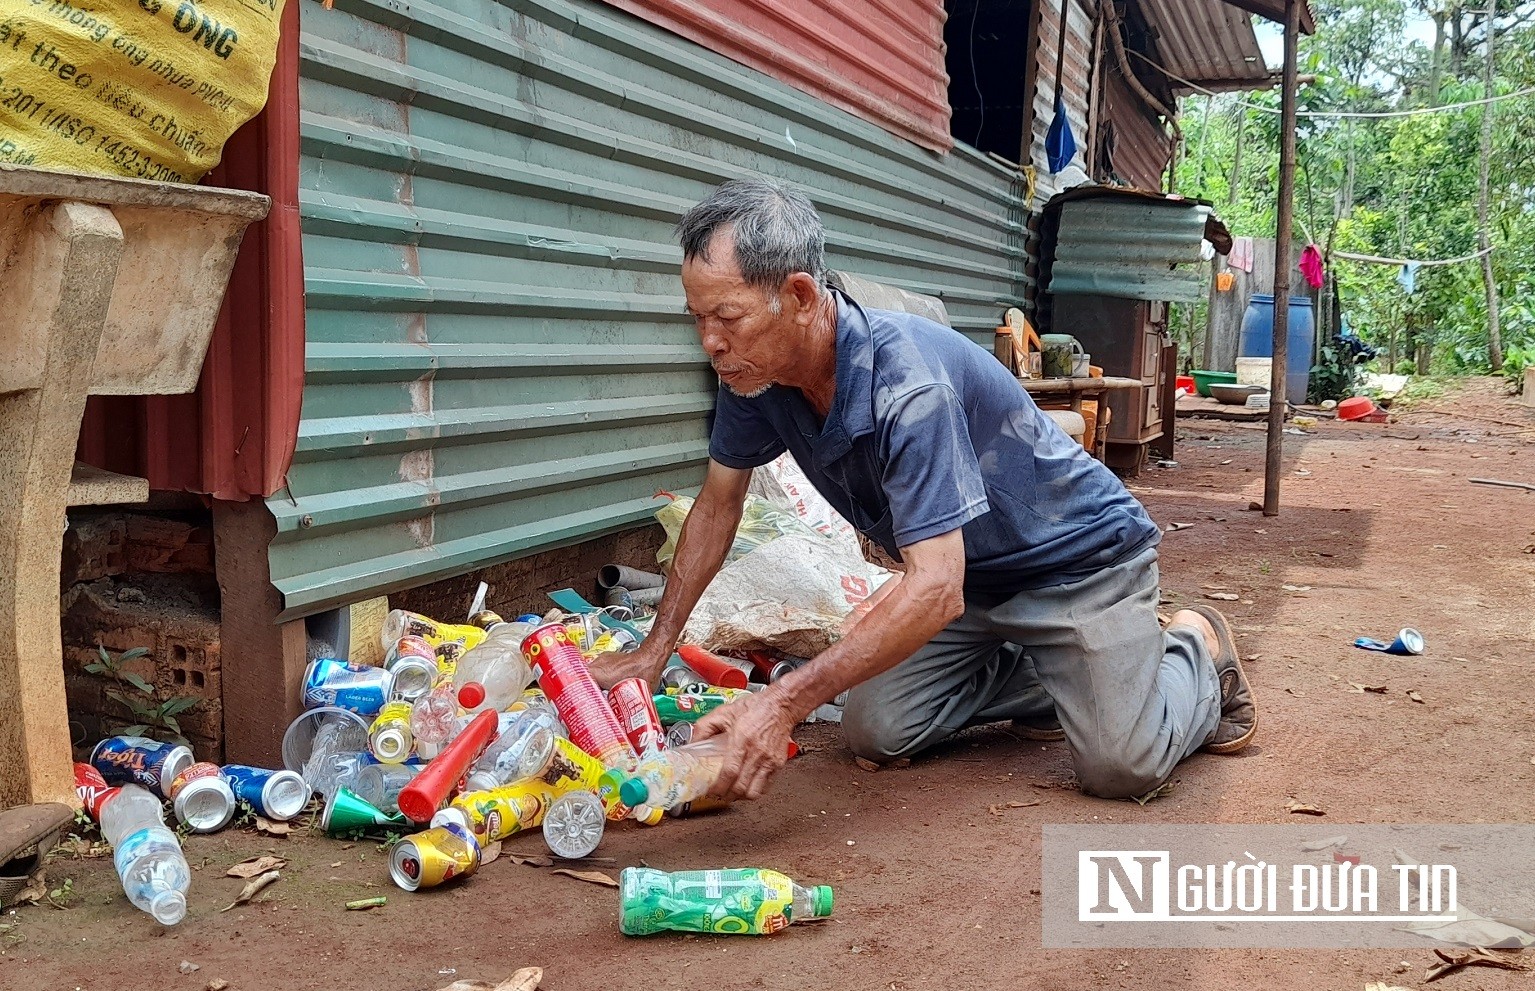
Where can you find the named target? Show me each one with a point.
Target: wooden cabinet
(1125, 337)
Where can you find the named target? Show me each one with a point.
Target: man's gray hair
(777, 231)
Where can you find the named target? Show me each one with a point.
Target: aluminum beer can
(413, 676)
(277, 795)
(202, 799)
(409, 646)
(356, 687)
(138, 760)
(434, 856)
(637, 714)
(681, 678)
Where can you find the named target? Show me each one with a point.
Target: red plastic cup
(563, 675)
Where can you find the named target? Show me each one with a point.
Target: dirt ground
(934, 891)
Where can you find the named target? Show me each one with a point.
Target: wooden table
(1078, 389)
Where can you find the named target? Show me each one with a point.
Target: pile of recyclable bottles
(465, 735)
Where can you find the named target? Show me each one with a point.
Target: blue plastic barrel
(1258, 340)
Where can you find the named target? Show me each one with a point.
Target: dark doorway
(989, 52)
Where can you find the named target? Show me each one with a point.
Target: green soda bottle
(750, 901)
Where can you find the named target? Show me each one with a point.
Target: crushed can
(435, 856)
(357, 688)
(93, 789)
(202, 799)
(138, 760)
(636, 712)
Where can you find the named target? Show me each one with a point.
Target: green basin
(1204, 378)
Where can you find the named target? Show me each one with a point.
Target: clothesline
(1344, 114)
(1400, 262)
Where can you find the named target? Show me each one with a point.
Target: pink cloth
(1241, 254)
(1311, 267)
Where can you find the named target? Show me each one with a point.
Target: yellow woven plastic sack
(149, 89)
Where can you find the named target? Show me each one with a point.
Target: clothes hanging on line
(1311, 267)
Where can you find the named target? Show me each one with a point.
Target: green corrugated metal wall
(498, 361)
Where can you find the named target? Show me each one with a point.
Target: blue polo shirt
(928, 434)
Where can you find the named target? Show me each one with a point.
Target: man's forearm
(707, 534)
(894, 630)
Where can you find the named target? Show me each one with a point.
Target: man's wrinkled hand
(610, 667)
(756, 731)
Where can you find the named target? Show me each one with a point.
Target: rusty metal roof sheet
(1273, 10)
(1209, 42)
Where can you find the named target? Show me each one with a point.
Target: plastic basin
(1204, 378)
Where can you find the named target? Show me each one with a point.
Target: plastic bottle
(434, 717)
(750, 901)
(498, 666)
(389, 738)
(147, 855)
(521, 751)
(672, 777)
(379, 784)
(574, 824)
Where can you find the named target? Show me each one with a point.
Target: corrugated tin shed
(498, 358)
(879, 59)
(1130, 247)
(1209, 42)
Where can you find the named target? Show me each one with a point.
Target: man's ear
(804, 292)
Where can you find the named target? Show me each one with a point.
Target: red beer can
(563, 676)
(636, 712)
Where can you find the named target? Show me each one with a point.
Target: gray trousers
(1134, 700)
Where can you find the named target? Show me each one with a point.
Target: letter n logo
(1123, 885)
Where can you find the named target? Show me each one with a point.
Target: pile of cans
(204, 796)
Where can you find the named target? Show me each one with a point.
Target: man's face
(747, 334)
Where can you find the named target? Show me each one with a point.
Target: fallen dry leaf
(1296, 692)
(252, 866)
(267, 826)
(1383, 986)
(1296, 588)
(1164, 789)
(490, 852)
(1226, 462)
(251, 889)
(188, 967)
(1296, 807)
(871, 767)
(531, 860)
(1222, 596)
(35, 891)
(1469, 958)
(1359, 689)
(591, 877)
(1416, 698)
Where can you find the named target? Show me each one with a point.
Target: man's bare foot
(1188, 617)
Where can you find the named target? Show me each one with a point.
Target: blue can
(357, 687)
(138, 760)
(277, 795)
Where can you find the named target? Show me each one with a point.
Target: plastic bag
(761, 522)
(149, 89)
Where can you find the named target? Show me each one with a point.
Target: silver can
(205, 805)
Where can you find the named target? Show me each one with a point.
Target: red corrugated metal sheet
(233, 437)
(879, 59)
(1136, 144)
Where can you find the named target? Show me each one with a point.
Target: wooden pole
(1282, 261)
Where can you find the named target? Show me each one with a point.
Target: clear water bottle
(147, 855)
(520, 751)
(672, 777)
(498, 666)
(574, 823)
(379, 784)
(434, 718)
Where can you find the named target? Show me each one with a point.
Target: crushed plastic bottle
(521, 751)
(750, 901)
(672, 777)
(146, 853)
(379, 784)
(498, 666)
(389, 738)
